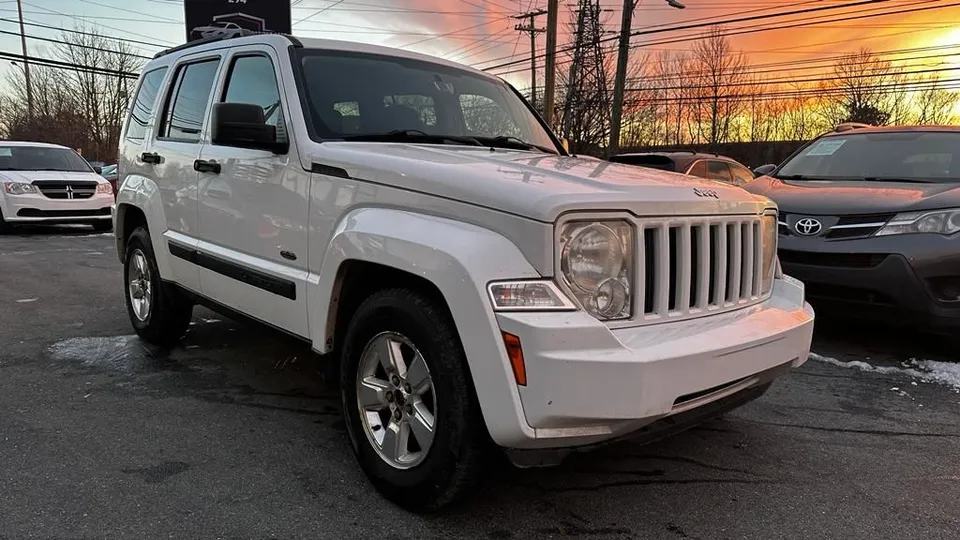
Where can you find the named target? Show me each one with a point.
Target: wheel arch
(139, 204)
(451, 261)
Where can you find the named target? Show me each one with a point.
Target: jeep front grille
(694, 266)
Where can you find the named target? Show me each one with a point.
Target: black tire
(456, 457)
(104, 225)
(4, 226)
(170, 312)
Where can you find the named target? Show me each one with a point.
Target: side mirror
(243, 125)
(763, 170)
(565, 144)
(98, 170)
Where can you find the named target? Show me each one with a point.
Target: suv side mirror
(98, 170)
(243, 125)
(763, 170)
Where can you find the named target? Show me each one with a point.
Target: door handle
(150, 157)
(206, 166)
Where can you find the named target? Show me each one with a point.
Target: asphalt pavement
(234, 435)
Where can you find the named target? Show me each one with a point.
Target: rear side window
(741, 176)
(719, 171)
(145, 104)
(700, 169)
(187, 105)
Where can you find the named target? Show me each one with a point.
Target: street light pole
(620, 82)
(26, 64)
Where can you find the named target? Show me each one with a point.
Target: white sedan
(48, 183)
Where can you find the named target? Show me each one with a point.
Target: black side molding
(254, 278)
(328, 170)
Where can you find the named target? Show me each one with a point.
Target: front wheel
(158, 311)
(411, 413)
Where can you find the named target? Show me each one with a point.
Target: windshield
(920, 156)
(41, 158)
(359, 96)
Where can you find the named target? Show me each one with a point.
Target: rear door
(254, 205)
(180, 125)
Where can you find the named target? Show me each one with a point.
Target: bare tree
(863, 88)
(721, 74)
(82, 106)
(933, 103)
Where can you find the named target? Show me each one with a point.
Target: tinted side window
(718, 170)
(741, 175)
(700, 169)
(253, 80)
(187, 105)
(145, 104)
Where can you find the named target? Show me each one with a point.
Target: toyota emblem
(808, 227)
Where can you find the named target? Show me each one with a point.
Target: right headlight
(768, 251)
(596, 265)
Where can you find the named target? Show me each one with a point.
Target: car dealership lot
(234, 435)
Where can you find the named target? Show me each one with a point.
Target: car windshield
(904, 156)
(41, 158)
(360, 96)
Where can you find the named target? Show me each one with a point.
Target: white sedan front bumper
(37, 208)
(587, 383)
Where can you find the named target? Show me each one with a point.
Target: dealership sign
(217, 18)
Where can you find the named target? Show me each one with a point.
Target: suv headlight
(768, 252)
(19, 188)
(596, 265)
(936, 221)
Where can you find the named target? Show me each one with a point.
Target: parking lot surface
(234, 435)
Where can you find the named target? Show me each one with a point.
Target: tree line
(711, 94)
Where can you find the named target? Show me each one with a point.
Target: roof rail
(241, 33)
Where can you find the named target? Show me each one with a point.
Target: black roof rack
(242, 33)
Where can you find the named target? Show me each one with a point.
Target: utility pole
(532, 29)
(550, 68)
(626, 22)
(26, 63)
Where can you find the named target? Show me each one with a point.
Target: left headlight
(596, 265)
(19, 188)
(768, 251)
(935, 221)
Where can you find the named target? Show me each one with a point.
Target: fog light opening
(947, 288)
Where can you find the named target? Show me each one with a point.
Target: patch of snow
(928, 371)
(118, 352)
(27, 300)
(210, 321)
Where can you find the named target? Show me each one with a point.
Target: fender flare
(142, 193)
(460, 260)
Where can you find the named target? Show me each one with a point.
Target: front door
(254, 207)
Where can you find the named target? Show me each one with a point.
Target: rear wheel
(159, 312)
(408, 402)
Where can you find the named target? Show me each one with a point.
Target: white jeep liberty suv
(416, 221)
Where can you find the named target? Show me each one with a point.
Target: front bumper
(588, 383)
(36, 208)
(893, 278)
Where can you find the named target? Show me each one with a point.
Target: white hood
(535, 185)
(54, 176)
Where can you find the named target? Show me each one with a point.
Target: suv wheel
(408, 403)
(159, 312)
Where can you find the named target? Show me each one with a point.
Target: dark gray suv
(870, 220)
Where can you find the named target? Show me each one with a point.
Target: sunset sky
(481, 32)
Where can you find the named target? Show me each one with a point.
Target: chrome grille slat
(691, 266)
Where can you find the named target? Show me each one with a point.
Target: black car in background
(870, 221)
(710, 166)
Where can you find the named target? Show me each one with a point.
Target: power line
(80, 32)
(80, 45)
(36, 60)
(755, 30)
(660, 30)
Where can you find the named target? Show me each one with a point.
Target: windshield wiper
(904, 180)
(408, 135)
(506, 141)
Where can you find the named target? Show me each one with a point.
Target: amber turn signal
(515, 353)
